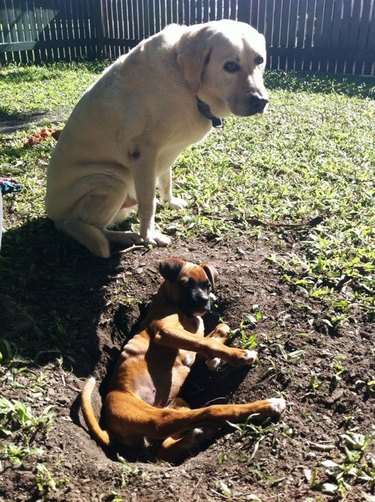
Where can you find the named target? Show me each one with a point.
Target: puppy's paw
(213, 364)
(248, 357)
(156, 238)
(177, 203)
(277, 405)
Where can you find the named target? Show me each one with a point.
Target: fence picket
(320, 35)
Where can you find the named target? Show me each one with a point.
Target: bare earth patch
(320, 373)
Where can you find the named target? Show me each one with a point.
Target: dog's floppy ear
(170, 268)
(193, 54)
(211, 273)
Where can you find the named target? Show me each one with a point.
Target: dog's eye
(259, 60)
(232, 67)
(205, 285)
(186, 283)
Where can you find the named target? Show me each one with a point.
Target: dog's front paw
(243, 356)
(213, 364)
(249, 356)
(177, 203)
(277, 405)
(156, 238)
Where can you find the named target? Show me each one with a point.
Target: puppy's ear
(170, 268)
(193, 55)
(211, 273)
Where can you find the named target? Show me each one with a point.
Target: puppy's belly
(145, 388)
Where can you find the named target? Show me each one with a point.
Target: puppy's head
(223, 63)
(188, 285)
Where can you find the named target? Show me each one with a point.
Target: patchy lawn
(283, 206)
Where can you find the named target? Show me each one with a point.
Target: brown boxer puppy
(142, 401)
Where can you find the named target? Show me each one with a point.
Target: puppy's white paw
(177, 203)
(249, 356)
(156, 238)
(213, 364)
(197, 431)
(277, 404)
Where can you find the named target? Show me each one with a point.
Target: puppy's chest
(187, 357)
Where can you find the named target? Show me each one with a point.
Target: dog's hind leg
(178, 447)
(94, 211)
(207, 421)
(183, 444)
(90, 236)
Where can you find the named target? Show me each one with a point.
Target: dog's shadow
(51, 291)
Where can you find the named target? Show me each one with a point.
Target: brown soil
(235, 466)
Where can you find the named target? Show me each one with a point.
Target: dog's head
(223, 63)
(188, 285)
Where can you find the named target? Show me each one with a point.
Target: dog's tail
(96, 432)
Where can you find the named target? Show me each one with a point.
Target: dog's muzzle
(197, 304)
(256, 104)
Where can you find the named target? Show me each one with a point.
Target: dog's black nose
(257, 104)
(204, 300)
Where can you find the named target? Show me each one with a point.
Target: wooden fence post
(244, 11)
(99, 31)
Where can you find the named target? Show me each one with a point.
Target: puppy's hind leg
(177, 448)
(183, 444)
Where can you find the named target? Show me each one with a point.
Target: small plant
(113, 497)
(18, 423)
(18, 453)
(339, 370)
(17, 415)
(314, 384)
(129, 471)
(354, 466)
(292, 357)
(7, 351)
(44, 480)
(247, 339)
(253, 434)
(224, 490)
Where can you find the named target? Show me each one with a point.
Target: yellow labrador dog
(131, 124)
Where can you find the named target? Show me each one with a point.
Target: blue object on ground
(7, 185)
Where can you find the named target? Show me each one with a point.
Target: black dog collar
(204, 109)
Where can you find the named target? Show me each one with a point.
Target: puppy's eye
(232, 67)
(205, 285)
(186, 283)
(259, 60)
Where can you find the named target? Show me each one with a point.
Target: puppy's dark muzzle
(200, 304)
(256, 104)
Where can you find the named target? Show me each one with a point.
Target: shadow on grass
(11, 122)
(38, 72)
(59, 286)
(320, 83)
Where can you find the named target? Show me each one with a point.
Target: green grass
(311, 155)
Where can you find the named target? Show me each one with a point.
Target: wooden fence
(334, 36)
